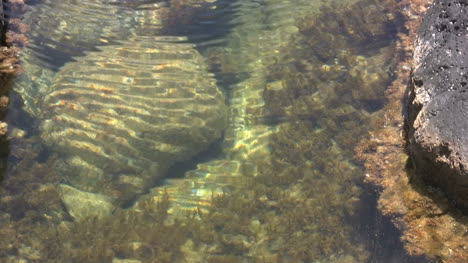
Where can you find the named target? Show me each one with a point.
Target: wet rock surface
(122, 118)
(429, 224)
(438, 100)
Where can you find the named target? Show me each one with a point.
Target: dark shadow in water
(206, 27)
(19, 118)
(32, 2)
(55, 58)
(179, 169)
(4, 152)
(379, 234)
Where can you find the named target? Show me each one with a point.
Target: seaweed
(298, 208)
(430, 224)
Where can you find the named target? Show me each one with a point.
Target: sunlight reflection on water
(249, 110)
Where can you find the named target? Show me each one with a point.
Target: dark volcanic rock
(438, 101)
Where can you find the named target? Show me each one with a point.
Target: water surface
(198, 131)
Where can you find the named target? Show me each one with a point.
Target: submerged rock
(119, 118)
(74, 28)
(81, 204)
(252, 46)
(276, 162)
(292, 119)
(438, 102)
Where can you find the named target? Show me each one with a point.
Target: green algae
(296, 207)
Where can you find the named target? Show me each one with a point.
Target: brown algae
(431, 225)
(320, 93)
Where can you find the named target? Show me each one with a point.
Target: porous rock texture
(438, 101)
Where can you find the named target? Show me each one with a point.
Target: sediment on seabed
(430, 224)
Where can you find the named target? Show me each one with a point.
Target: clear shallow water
(198, 132)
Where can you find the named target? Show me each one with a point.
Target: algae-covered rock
(437, 120)
(118, 118)
(430, 225)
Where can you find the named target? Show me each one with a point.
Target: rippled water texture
(197, 131)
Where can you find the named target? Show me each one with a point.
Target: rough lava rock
(438, 100)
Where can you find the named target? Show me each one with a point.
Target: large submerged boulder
(438, 101)
(118, 119)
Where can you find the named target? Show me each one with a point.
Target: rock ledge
(438, 100)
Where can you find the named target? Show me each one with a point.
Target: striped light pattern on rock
(119, 118)
(62, 29)
(248, 134)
